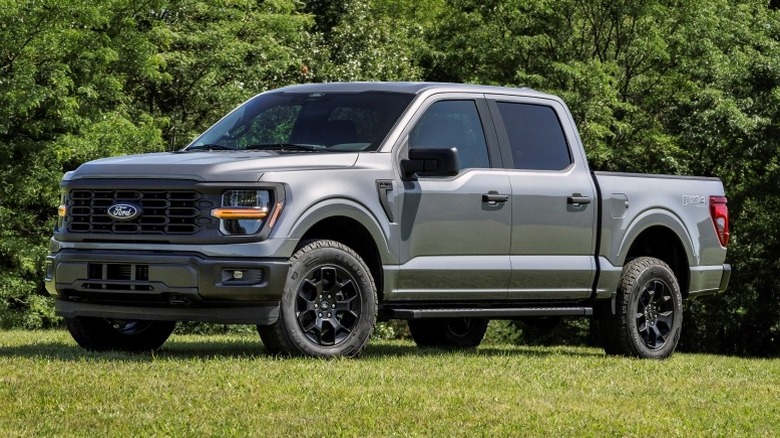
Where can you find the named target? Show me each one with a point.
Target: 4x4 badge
(124, 212)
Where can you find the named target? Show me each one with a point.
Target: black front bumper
(165, 286)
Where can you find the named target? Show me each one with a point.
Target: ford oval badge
(124, 212)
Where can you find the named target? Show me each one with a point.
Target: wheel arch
(351, 224)
(662, 236)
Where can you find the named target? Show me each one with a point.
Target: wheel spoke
(338, 327)
(327, 333)
(307, 320)
(304, 304)
(645, 299)
(665, 321)
(329, 279)
(345, 285)
(641, 322)
(309, 289)
(345, 304)
(658, 290)
(658, 337)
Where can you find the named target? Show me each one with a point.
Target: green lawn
(227, 386)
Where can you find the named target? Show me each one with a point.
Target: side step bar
(498, 313)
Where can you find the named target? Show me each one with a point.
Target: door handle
(578, 199)
(493, 197)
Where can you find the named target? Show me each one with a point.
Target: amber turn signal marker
(62, 211)
(240, 213)
(277, 211)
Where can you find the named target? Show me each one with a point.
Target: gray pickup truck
(314, 211)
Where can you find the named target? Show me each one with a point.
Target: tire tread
(278, 339)
(615, 328)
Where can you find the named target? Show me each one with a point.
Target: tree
(659, 87)
(81, 81)
(211, 55)
(56, 79)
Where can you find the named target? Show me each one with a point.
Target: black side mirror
(430, 162)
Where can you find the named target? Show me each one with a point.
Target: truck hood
(210, 165)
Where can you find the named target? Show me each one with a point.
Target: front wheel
(101, 334)
(448, 332)
(648, 312)
(329, 304)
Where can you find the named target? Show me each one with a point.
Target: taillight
(720, 218)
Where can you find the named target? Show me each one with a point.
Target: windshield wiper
(209, 147)
(285, 147)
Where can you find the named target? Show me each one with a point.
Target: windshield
(336, 122)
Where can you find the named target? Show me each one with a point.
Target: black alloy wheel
(647, 318)
(655, 314)
(448, 332)
(327, 306)
(100, 334)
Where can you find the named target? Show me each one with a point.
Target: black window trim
(496, 156)
(503, 137)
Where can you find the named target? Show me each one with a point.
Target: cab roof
(406, 88)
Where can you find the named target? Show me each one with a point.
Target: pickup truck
(314, 211)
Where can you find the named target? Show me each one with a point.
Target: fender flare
(343, 207)
(653, 218)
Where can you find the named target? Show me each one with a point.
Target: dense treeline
(687, 87)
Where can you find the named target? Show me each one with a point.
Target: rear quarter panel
(633, 203)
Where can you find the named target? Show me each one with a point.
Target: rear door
(553, 200)
(454, 240)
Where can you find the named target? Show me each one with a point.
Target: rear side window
(535, 136)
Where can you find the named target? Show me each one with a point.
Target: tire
(268, 339)
(648, 312)
(100, 334)
(328, 307)
(448, 332)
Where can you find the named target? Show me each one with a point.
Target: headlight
(243, 212)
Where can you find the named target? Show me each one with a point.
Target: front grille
(163, 211)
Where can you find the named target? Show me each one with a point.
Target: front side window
(535, 136)
(453, 123)
(315, 121)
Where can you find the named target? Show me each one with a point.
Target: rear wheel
(542, 324)
(448, 332)
(100, 334)
(329, 304)
(648, 312)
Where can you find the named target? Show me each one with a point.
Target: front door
(455, 231)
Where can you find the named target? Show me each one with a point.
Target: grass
(226, 386)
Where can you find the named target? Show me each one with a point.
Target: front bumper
(175, 286)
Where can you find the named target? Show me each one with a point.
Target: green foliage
(210, 55)
(355, 50)
(657, 86)
(393, 329)
(79, 81)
